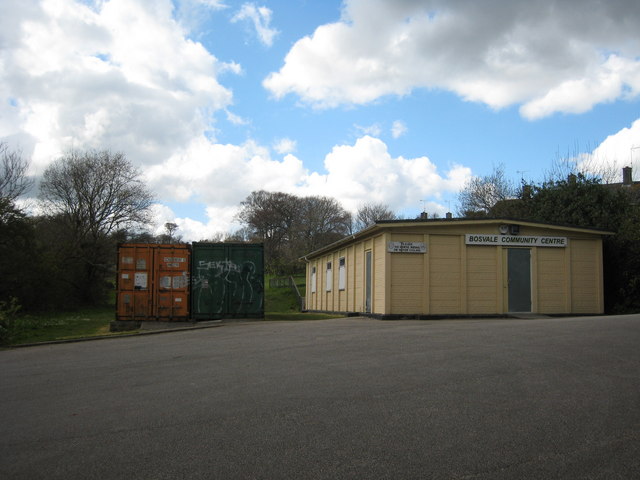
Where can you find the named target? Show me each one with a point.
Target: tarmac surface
(349, 398)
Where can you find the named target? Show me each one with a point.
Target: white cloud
(613, 154)
(260, 17)
(221, 176)
(365, 172)
(221, 222)
(578, 96)
(374, 130)
(121, 74)
(398, 129)
(215, 4)
(538, 54)
(236, 119)
(285, 145)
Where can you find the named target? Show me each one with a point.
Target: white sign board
(514, 240)
(406, 247)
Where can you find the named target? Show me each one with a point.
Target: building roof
(382, 225)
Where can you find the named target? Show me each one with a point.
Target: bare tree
(480, 194)
(169, 235)
(89, 197)
(13, 173)
(589, 165)
(369, 213)
(271, 216)
(96, 193)
(322, 221)
(291, 226)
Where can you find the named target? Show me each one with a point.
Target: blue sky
(383, 101)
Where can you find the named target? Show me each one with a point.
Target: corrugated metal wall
(182, 282)
(153, 282)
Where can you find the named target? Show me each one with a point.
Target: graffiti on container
(216, 282)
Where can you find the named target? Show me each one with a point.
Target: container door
(519, 273)
(134, 291)
(209, 283)
(172, 282)
(228, 281)
(245, 289)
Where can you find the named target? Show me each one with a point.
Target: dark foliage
(290, 226)
(586, 202)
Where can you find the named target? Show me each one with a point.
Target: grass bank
(281, 304)
(44, 327)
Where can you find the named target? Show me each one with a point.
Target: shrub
(11, 324)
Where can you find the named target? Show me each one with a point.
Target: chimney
(627, 176)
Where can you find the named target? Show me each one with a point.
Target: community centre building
(458, 267)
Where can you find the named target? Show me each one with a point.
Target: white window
(313, 279)
(342, 274)
(329, 277)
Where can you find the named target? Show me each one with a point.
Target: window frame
(342, 273)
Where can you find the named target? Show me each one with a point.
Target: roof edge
(380, 224)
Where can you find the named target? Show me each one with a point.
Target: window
(329, 277)
(342, 274)
(313, 279)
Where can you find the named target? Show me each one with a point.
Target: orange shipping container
(153, 282)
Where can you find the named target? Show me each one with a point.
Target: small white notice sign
(140, 280)
(406, 247)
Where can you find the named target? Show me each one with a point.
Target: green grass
(280, 304)
(45, 327)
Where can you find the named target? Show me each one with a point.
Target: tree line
(88, 202)
(292, 226)
(64, 256)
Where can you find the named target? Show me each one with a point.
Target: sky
(397, 102)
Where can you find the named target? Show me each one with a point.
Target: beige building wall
(379, 284)
(552, 280)
(407, 278)
(445, 274)
(586, 270)
(483, 280)
(453, 278)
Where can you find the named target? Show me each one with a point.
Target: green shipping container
(227, 281)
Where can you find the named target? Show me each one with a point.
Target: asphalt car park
(351, 398)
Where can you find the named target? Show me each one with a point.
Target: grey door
(519, 266)
(367, 281)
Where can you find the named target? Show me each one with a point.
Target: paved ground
(349, 398)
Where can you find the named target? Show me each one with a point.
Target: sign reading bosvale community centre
(515, 240)
(406, 247)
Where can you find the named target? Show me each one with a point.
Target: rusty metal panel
(153, 282)
(134, 282)
(171, 272)
(227, 281)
